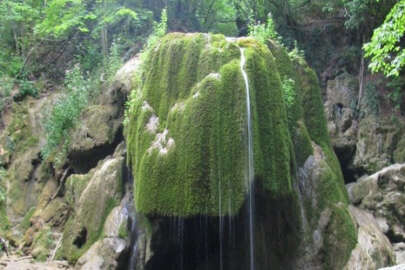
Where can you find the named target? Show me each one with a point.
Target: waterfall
(250, 168)
(132, 260)
(221, 228)
(134, 242)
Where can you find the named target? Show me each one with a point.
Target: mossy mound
(187, 143)
(187, 127)
(320, 177)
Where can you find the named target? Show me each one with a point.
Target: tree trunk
(361, 80)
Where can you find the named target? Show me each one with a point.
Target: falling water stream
(250, 167)
(134, 251)
(249, 181)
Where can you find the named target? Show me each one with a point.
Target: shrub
(297, 54)
(288, 86)
(113, 62)
(263, 31)
(26, 88)
(66, 111)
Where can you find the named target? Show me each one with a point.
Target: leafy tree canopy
(386, 48)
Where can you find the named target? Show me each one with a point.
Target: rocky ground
(370, 148)
(14, 262)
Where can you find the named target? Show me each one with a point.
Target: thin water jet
(250, 166)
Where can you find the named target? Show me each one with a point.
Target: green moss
(329, 191)
(26, 223)
(186, 134)
(19, 136)
(123, 230)
(302, 144)
(91, 198)
(314, 114)
(23, 193)
(399, 152)
(42, 244)
(288, 70)
(309, 125)
(75, 185)
(72, 252)
(194, 85)
(4, 223)
(341, 238)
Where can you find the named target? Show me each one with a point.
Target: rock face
(364, 141)
(186, 137)
(373, 249)
(91, 197)
(74, 208)
(382, 195)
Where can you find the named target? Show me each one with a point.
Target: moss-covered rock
(377, 143)
(373, 250)
(90, 197)
(187, 128)
(187, 145)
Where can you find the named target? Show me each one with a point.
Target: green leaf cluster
(263, 31)
(66, 112)
(385, 50)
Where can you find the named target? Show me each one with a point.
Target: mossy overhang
(187, 128)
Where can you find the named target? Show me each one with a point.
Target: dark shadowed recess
(345, 156)
(83, 161)
(206, 243)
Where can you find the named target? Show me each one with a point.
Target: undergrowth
(79, 89)
(66, 111)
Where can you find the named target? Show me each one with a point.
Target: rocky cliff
(181, 163)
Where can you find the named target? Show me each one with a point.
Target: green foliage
(62, 17)
(26, 88)
(364, 15)
(113, 61)
(159, 30)
(17, 19)
(33, 33)
(263, 31)
(6, 86)
(288, 87)
(66, 111)
(385, 49)
(297, 54)
(26, 222)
